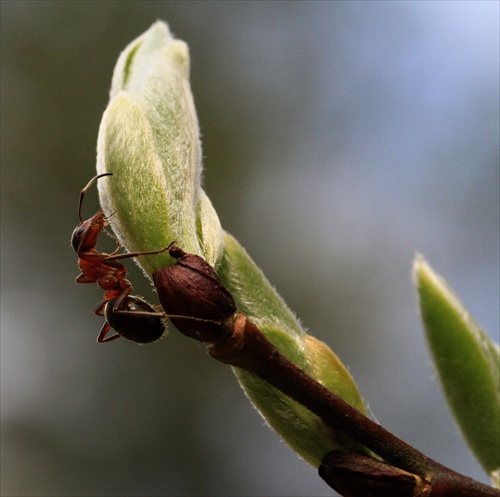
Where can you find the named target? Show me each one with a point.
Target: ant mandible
(130, 316)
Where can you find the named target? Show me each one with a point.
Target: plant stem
(247, 348)
(199, 305)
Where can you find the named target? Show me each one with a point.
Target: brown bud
(358, 475)
(192, 288)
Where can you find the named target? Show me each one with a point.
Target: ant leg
(121, 298)
(163, 315)
(84, 279)
(192, 318)
(115, 251)
(135, 254)
(138, 314)
(141, 314)
(101, 338)
(127, 255)
(99, 310)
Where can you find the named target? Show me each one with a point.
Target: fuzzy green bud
(149, 140)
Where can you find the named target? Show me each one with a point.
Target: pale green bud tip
(467, 361)
(327, 368)
(495, 478)
(425, 277)
(140, 59)
(149, 140)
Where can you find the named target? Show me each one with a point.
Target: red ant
(118, 306)
(130, 316)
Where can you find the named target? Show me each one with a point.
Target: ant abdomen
(135, 320)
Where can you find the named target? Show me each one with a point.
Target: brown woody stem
(191, 288)
(249, 349)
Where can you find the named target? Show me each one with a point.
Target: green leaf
(467, 361)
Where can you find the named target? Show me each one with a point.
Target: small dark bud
(192, 288)
(358, 475)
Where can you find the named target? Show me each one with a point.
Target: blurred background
(339, 139)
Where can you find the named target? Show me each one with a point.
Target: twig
(192, 288)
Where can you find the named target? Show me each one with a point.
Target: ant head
(85, 235)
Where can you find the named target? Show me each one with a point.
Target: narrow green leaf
(467, 362)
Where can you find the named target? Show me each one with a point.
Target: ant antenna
(84, 191)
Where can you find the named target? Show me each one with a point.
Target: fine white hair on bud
(149, 139)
